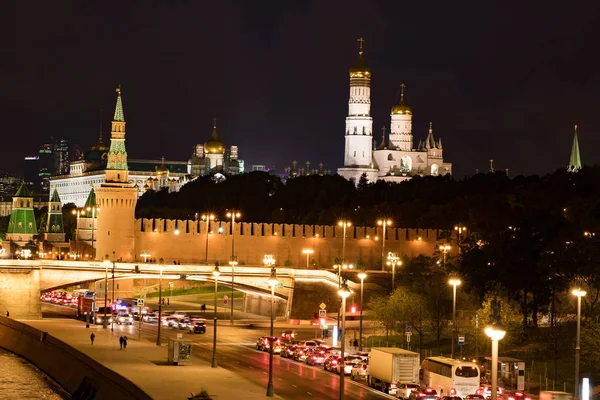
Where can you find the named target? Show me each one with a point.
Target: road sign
(323, 306)
(140, 302)
(280, 285)
(170, 284)
(408, 335)
(225, 298)
(408, 328)
(322, 314)
(461, 339)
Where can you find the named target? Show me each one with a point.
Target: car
(289, 334)
(349, 362)
(474, 397)
(277, 347)
(486, 391)
(315, 357)
(404, 389)
(451, 398)
(178, 314)
(288, 350)
(517, 395)
(100, 318)
(424, 393)
(331, 362)
(300, 353)
(359, 371)
(311, 344)
(260, 342)
(124, 319)
(197, 327)
(150, 318)
(182, 323)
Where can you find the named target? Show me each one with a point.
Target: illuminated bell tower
(116, 199)
(358, 156)
(401, 124)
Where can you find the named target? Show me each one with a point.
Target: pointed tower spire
(116, 166)
(119, 116)
(430, 142)
(439, 145)
(383, 144)
(492, 166)
(575, 159)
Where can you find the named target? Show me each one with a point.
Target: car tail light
(511, 398)
(334, 362)
(453, 392)
(421, 394)
(393, 385)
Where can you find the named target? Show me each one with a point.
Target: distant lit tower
(55, 230)
(359, 124)
(575, 159)
(401, 126)
(117, 197)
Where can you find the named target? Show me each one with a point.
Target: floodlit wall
(185, 241)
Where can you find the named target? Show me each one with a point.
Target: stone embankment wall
(77, 373)
(185, 241)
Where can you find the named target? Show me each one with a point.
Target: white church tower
(358, 156)
(401, 137)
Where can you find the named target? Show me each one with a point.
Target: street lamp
(216, 274)
(145, 254)
(383, 223)
(362, 277)
(445, 248)
(112, 299)
(77, 212)
(233, 215)
(454, 282)
(272, 283)
(393, 260)
(344, 224)
(308, 252)
(207, 218)
(106, 264)
(460, 229)
(579, 293)
(496, 333)
(160, 268)
(344, 292)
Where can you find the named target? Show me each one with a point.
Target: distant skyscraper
(31, 173)
(575, 159)
(61, 156)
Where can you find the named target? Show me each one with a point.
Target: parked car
(197, 327)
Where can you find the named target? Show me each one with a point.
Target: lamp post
(344, 224)
(393, 260)
(454, 282)
(344, 292)
(579, 293)
(160, 268)
(444, 248)
(106, 264)
(270, 261)
(233, 214)
(207, 218)
(460, 229)
(308, 252)
(77, 212)
(216, 274)
(496, 333)
(112, 299)
(384, 223)
(362, 277)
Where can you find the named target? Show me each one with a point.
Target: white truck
(550, 395)
(390, 367)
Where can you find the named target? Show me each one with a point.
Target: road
(236, 351)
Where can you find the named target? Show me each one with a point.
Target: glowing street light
(344, 224)
(445, 248)
(362, 277)
(344, 292)
(308, 252)
(215, 274)
(233, 215)
(460, 229)
(106, 265)
(145, 254)
(496, 333)
(160, 269)
(384, 223)
(207, 218)
(579, 293)
(393, 260)
(273, 282)
(454, 282)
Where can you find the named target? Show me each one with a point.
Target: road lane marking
(294, 385)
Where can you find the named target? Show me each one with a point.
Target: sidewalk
(144, 364)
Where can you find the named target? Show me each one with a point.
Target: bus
(449, 377)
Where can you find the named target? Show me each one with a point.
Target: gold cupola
(360, 69)
(401, 108)
(162, 168)
(214, 145)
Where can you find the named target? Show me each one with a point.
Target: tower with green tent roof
(22, 226)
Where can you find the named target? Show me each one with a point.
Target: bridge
(22, 281)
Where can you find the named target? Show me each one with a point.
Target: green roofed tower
(55, 229)
(22, 226)
(116, 167)
(575, 159)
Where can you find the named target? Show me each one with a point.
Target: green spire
(54, 224)
(55, 197)
(90, 203)
(23, 191)
(119, 116)
(575, 159)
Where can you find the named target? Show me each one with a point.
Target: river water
(20, 380)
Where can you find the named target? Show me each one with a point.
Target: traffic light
(322, 320)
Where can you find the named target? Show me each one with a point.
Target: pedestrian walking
(124, 342)
(92, 337)
(7, 314)
(168, 301)
(121, 341)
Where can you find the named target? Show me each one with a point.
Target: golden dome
(214, 145)
(360, 69)
(162, 168)
(401, 108)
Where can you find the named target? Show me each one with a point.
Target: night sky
(503, 82)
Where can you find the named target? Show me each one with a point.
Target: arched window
(434, 169)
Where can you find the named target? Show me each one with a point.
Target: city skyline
(278, 75)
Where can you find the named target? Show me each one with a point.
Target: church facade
(396, 158)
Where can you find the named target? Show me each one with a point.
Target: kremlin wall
(185, 241)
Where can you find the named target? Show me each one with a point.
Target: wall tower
(22, 226)
(116, 199)
(401, 125)
(55, 230)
